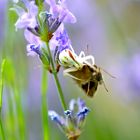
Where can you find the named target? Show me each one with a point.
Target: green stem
(11, 117)
(1, 93)
(44, 108)
(20, 114)
(61, 96)
(2, 130)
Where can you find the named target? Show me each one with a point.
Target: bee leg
(67, 73)
(88, 88)
(102, 82)
(89, 57)
(82, 54)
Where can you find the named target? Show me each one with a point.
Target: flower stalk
(44, 106)
(1, 93)
(54, 72)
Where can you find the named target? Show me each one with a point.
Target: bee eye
(99, 77)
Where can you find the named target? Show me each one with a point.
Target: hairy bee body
(88, 79)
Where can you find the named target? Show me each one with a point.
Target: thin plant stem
(1, 82)
(20, 114)
(1, 93)
(11, 117)
(44, 107)
(2, 130)
(61, 96)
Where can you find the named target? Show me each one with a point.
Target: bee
(82, 70)
(88, 78)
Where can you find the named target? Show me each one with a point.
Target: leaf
(1, 80)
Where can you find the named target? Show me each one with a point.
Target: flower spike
(73, 122)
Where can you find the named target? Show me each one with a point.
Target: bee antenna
(105, 86)
(87, 49)
(87, 46)
(108, 73)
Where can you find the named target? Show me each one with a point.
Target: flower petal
(81, 104)
(72, 104)
(19, 10)
(30, 51)
(58, 119)
(31, 38)
(33, 9)
(70, 18)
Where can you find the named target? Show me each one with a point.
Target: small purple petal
(56, 118)
(26, 19)
(29, 51)
(31, 38)
(61, 1)
(60, 10)
(81, 104)
(83, 112)
(53, 115)
(33, 9)
(70, 18)
(81, 116)
(35, 44)
(20, 11)
(72, 104)
(33, 50)
(52, 3)
(36, 49)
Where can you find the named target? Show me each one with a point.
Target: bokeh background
(111, 30)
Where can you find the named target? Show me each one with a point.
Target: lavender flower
(37, 47)
(73, 122)
(60, 11)
(57, 14)
(47, 24)
(62, 40)
(27, 18)
(64, 49)
(41, 26)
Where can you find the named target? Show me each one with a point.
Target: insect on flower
(82, 69)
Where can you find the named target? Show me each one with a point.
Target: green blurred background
(111, 30)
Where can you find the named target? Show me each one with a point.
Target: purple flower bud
(81, 104)
(32, 48)
(55, 117)
(72, 104)
(67, 112)
(81, 116)
(58, 119)
(34, 43)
